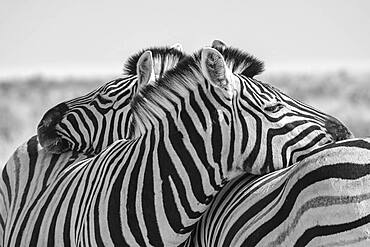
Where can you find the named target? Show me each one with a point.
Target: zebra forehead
(160, 55)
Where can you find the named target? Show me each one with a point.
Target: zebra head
(90, 123)
(246, 124)
(284, 128)
(249, 66)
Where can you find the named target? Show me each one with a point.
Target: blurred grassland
(24, 101)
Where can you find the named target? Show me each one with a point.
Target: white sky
(92, 36)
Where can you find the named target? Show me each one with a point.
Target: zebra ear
(145, 69)
(177, 46)
(214, 67)
(218, 44)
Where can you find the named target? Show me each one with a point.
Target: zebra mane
(241, 62)
(164, 58)
(153, 98)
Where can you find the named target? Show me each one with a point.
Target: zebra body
(324, 200)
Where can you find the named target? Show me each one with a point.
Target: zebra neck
(155, 103)
(193, 146)
(167, 178)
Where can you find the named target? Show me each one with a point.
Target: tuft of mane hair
(153, 98)
(241, 62)
(183, 77)
(164, 59)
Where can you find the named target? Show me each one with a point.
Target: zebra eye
(274, 108)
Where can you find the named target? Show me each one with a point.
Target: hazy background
(51, 51)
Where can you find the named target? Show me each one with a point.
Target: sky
(96, 37)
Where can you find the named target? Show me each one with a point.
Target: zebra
(323, 200)
(84, 124)
(31, 168)
(152, 189)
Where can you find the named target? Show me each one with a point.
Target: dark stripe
(50, 168)
(216, 137)
(120, 123)
(5, 178)
(98, 238)
(198, 111)
(356, 143)
(148, 198)
(100, 140)
(327, 230)
(230, 157)
(245, 133)
(133, 193)
(112, 129)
